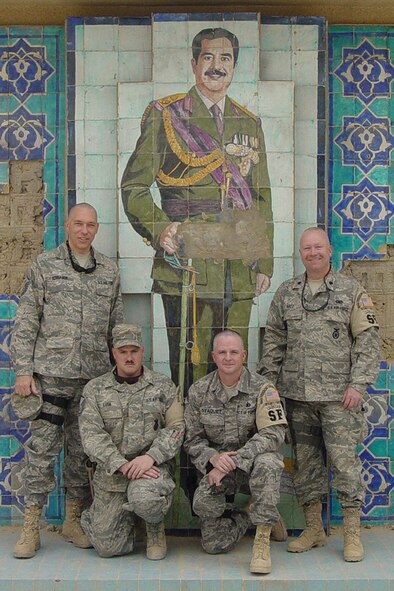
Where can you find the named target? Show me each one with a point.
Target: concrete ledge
(60, 566)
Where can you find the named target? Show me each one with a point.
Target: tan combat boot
(29, 542)
(279, 531)
(261, 553)
(314, 534)
(156, 546)
(353, 550)
(72, 530)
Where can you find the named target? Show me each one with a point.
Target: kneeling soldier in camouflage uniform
(234, 426)
(132, 425)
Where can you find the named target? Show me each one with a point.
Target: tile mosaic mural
(360, 210)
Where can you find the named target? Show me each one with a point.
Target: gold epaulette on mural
(244, 110)
(171, 98)
(145, 114)
(163, 102)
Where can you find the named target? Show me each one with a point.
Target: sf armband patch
(269, 409)
(363, 316)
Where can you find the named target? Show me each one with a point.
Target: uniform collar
(145, 380)
(243, 383)
(299, 281)
(63, 254)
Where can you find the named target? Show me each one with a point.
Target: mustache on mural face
(215, 73)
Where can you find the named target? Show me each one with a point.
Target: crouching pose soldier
(132, 426)
(234, 426)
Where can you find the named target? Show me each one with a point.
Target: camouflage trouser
(311, 425)
(46, 442)
(221, 529)
(109, 522)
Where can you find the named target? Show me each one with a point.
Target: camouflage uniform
(252, 423)
(119, 422)
(61, 336)
(313, 356)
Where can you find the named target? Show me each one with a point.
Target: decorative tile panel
(32, 122)
(360, 211)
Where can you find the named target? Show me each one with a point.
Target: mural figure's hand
(167, 238)
(262, 283)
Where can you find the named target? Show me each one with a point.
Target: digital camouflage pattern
(314, 356)
(46, 442)
(343, 431)
(119, 422)
(61, 337)
(65, 319)
(252, 423)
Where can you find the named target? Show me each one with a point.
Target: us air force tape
(269, 408)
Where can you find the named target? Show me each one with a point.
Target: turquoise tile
(5, 446)
(4, 173)
(5, 378)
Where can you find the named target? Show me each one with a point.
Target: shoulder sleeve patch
(269, 409)
(364, 302)
(363, 315)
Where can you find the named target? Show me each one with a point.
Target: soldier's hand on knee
(215, 477)
(137, 467)
(152, 473)
(224, 461)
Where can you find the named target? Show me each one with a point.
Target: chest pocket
(113, 421)
(58, 285)
(213, 426)
(104, 289)
(293, 315)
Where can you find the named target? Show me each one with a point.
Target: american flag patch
(365, 301)
(271, 395)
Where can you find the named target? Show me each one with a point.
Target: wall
(104, 63)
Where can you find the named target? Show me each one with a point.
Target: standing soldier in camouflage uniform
(234, 426)
(321, 347)
(132, 425)
(69, 304)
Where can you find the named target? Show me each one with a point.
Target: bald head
(79, 207)
(81, 227)
(315, 251)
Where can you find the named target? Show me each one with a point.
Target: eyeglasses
(77, 267)
(304, 303)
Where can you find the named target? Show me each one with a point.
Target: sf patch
(269, 409)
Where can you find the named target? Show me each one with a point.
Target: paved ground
(60, 566)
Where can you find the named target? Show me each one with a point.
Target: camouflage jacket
(314, 356)
(214, 424)
(119, 422)
(64, 320)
